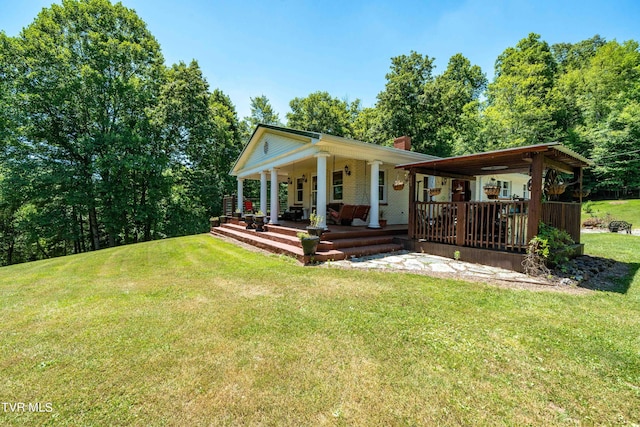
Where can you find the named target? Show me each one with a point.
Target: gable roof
(287, 146)
(510, 160)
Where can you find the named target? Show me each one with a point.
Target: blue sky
(285, 49)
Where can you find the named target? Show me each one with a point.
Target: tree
(401, 104)
(609, 100)
(87, 72)
(262, 112)
(319, 112)
(522, 101)
(457, 93)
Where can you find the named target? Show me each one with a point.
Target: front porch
(337, 243)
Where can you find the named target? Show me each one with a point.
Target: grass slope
(622, 210)
(195, 331)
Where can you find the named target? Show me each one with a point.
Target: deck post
(240, 200)
(274, 197)
(374, 213)
(263, 192)
(321, 203)
(412, 203)
(461, 223)
(535, 205)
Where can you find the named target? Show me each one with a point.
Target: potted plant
(249, 219)
(223, 219)
(237, 214)
(309, 243)
(215, 221)
(314, 228)
(492, 189)
(382, 221)
(259, 218)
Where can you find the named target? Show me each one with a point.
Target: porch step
(328, 240)
(284, 243)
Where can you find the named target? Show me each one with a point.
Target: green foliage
(101, 144)
(315, 220)
(319, 112)
(551, 245)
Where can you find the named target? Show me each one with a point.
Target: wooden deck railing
(565, 216)
(497, 225)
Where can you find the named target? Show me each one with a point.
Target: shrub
(550, 248)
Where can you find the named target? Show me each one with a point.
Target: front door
(460, 191)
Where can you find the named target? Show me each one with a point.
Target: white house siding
(278, 145)
(356, 188)
(517, 181)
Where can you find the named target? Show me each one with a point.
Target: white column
(263, 192)
(321, 205)
(374, 213)
(274, 197)
(240, 195)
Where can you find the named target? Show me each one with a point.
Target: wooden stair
(347, 242)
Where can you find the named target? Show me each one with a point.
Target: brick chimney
(402, 143)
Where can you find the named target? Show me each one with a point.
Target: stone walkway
(435, 265)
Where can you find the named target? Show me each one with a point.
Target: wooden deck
(339, 242)
(498, 225)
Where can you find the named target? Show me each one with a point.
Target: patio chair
(248, 206)
(344, 216)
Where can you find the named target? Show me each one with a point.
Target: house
(485, 207)
(321, 169)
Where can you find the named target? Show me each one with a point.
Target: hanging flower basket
(398, 185)
(492, 191)
(434, 191)
(556, 189)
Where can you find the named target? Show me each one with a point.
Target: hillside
(622, 210)
(195, 331)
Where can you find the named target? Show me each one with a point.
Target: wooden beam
(412, 203)
(445, 174)
(535, 204)
(559, 166)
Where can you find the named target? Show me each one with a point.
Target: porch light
(289, 181)
(346, 170)
(304, 177)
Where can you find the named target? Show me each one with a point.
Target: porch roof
(301, 147)
(510, 160)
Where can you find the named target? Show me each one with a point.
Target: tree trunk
(93, 228)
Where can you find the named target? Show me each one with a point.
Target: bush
(550, 248)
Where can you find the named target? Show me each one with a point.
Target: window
(299, 190)
(505, 189)
(525, 191)
(336, 193)
(382, 187)
(314, 191)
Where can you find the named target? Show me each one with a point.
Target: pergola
(532, 160)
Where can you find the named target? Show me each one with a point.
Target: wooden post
(412, 203)
(461, 223)
(535, 205)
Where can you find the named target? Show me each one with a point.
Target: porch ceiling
(512, 160)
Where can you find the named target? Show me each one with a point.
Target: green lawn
(194, 331)
(622, 210)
